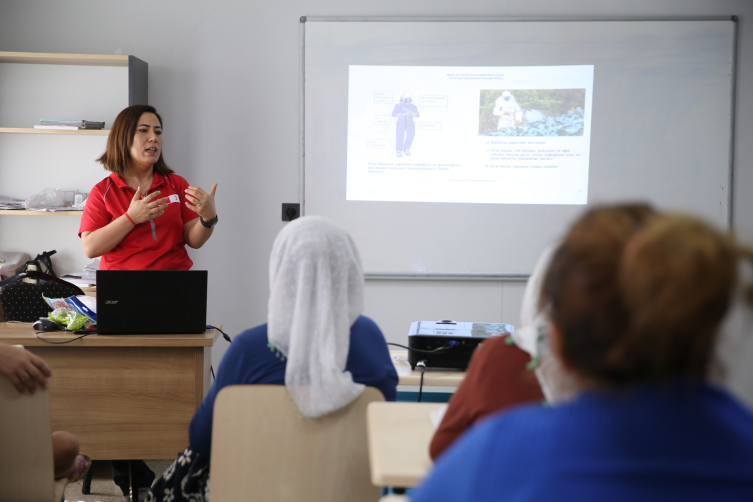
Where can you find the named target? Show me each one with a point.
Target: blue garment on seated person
(248, 360)
(685, 442)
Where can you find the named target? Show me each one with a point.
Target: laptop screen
(151, 301)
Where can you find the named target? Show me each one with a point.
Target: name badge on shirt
(173, 198)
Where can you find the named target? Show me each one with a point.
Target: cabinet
(34, 86)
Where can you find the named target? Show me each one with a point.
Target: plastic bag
(82, 304)
(49, 197)
(11, 263)
(71, 319)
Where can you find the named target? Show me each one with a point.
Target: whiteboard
(661, 131)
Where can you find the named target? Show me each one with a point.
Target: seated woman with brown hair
(635, 310)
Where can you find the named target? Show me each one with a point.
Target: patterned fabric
(186, 480)
(80, 467)
(23, 301)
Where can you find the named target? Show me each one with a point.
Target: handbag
(22, 301)
(42, 263)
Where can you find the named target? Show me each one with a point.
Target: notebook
(136, 302)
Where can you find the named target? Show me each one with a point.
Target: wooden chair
(262, 450)
(26, 464)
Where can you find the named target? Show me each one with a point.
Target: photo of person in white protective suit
(508, 111)
(405, 131)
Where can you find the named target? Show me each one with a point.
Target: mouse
(44, 324)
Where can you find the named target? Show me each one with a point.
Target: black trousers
(120, 474)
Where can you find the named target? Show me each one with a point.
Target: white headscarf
(316, 294)
(557, 384)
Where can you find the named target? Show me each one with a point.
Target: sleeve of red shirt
(95, 214)
(496, 379)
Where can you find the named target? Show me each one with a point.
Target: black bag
(41, 263)
(22, 301)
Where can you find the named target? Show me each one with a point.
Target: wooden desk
(124, 396)
(399, 435)
(431, 377)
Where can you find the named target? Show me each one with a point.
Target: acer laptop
(140, 302)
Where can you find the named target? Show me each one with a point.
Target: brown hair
(677, 278)
(117, 157)
(640, 297)
(580, 291)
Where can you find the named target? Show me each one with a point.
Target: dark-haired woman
(635, 306)
(142, 216)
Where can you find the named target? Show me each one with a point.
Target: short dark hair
(677, 277)
(117, 157)
(581, 293)
(637, 296)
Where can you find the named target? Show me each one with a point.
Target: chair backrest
(263, 450)
(26, 464)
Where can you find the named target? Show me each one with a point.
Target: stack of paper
(9, 203)
(88, 276)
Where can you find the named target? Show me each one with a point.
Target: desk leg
(133, 472)
(87, 486)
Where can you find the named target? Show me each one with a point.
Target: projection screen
(462, 149)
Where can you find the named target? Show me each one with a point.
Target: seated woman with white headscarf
(315, 342)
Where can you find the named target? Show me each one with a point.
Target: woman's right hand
(145, 209)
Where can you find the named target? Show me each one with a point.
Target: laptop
(136, 302)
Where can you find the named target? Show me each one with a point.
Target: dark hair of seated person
(658, 321)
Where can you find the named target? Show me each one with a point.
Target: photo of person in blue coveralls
(405, 110)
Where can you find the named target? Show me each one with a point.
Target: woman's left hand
(201, 202)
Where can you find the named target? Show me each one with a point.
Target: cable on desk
(421, 385)
(438, 350)
(21, 322)
(209, 326)
(59, 343)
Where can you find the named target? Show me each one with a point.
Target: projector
(454, 342)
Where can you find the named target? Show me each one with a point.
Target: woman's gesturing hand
(201, 202)
(145, 209)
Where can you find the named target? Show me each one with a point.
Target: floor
(103, 489)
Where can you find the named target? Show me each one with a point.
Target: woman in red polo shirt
(143, 215)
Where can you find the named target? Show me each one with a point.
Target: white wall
(224, 74)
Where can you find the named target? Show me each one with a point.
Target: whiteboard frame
(503, 277)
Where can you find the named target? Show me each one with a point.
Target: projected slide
(511, 135)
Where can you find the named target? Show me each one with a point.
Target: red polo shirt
(153, 245)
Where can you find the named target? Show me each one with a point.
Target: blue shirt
(248, 360)
(685, 442)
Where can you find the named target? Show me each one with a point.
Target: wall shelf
(58, 86)
(24, 212)
(31, 130)
(70, 59)
(137, 69)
